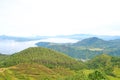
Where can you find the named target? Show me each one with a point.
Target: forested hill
(110, 65)
(3, 56)
(87, 48)
(44, 56)
(92, 42)
(97, 42)
(104, 60)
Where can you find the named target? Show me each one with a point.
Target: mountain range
(21, 39)
(86, 48)
(74, 36)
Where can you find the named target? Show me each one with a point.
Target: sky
(59, 17)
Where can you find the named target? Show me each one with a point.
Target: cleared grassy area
(113, 78)
(117, 72)
(95, 49)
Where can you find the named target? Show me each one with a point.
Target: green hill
(92, 42)
(106, 63)
(100, 61)
(3, 56)
(70, 50)
(44, 56)
(87, 48)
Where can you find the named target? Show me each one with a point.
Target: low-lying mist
(11, 46)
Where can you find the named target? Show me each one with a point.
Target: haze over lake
(11, 46)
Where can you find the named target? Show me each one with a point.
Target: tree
(97, 75)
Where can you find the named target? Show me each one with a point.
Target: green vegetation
(87, 48)
(107, 64)
(92, 42)
(73, 51)
(40, 72)
(100, 61)
(43, 56)
(37, 63)
(3, 57)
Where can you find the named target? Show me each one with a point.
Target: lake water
(10, 46)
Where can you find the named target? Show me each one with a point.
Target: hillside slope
(44, 56)
(33, 71)
(3, 57)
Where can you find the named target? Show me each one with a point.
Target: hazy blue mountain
(74, 36)
(84, 36)
(4, 37)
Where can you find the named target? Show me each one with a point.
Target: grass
(113, 78)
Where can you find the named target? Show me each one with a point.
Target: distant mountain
(74, 36)
(44, 56)
(70, 50)
(111, 47)
(4, 37)
(84, 36)
(92, 42)
(86, 48)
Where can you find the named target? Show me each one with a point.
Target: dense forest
(38, 63)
